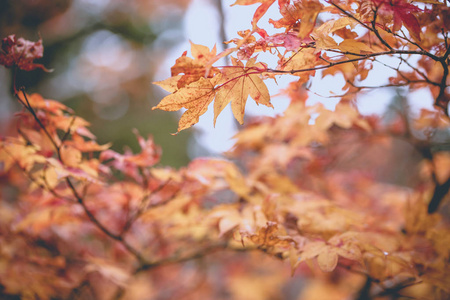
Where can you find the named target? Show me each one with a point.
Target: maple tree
(311, 204)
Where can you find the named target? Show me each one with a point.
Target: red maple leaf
(402, 13)
(21, 53)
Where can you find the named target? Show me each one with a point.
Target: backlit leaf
(195, 97)
(237, 83)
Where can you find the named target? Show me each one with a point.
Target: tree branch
(440, 99)
(349, 14)
(375, 30)
(440, 191)
(362, 57)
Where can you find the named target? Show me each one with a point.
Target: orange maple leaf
(268, 236)
(327, 253)
(195, 97)
(300, 16)
(260, 11)
(237, 83)
(311, 10)
(193, 68)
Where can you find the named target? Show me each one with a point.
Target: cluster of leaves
(308, 188)
(349, 38)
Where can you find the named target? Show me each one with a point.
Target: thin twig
(419, 72)
(375, 30)
(362, 57)
(66, 134)
(349, 15)
(144, 206)
(36, 118)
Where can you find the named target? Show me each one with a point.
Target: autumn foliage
(312, 204)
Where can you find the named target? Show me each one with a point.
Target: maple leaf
(327, 253)
(267, 237)
(70, 156)
(21, 53)
(193, 68)
(332, 26)
(300, 16)
(310, 10)
(402, 13)
(36, 101)
(16, 151)
(260, 11)
(289, 40)
(291, 13)
(354, 47)
(86, 146)
(344, 116)
(234, 84)
(237, 83)
(227, 218)
(195, 97)
(149, 155)
(247, 45)
(303, 59)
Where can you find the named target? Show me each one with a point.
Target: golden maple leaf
(237, 83)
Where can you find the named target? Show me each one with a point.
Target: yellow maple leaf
(237, 83)
(323, 33)
(269, 237)
(170, 84)
(327, 253)
(354, 47)
(311, 10)
(195, 97)
(344, 116)
(16, 151)
(193, 68)
(305, 59)
(70, 156)
(331, 26)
